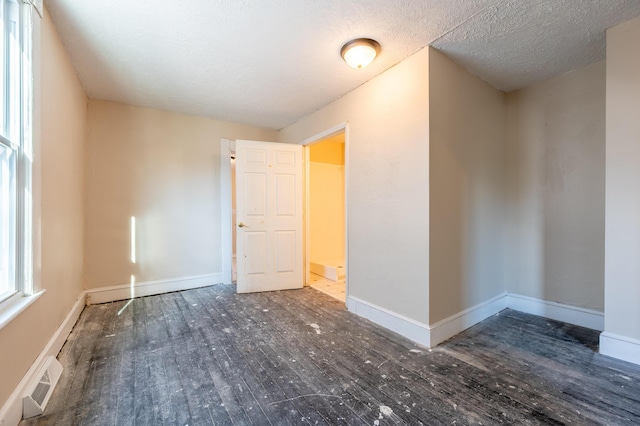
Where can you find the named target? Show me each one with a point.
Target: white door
(269, 216)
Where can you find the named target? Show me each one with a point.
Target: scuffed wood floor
(210, 356)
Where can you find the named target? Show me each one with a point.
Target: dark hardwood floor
(210, 356)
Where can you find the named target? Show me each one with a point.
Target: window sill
(12, 308)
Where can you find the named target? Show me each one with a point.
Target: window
(15, 151)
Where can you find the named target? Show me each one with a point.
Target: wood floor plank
(238, 334)
(304, 351)
(210, 356)
(329, 385)
(387, 365)
(121, 381)
(322, 390)
(247, 384)
(341, 359)
(251, 361)
(558, 374)
(69, 400)
(165, 390)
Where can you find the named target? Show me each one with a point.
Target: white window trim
(15, 305)
(23, 296)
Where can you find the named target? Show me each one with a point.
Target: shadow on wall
(555, 175)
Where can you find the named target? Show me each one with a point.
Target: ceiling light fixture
(360, 52)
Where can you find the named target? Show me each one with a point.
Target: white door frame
(342, 127)
(227, 146)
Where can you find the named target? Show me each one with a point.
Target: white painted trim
(621, 347)
(404, 326)
(575, 315)
(226, 243)
(149, 288)
(347, 178)
(11, 412)
(434, 334)
(306, 152)
(13, 307)
(449, 327)
(329, 132)
(341, 127)
(424, 334)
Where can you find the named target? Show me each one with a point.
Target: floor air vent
(39, 392)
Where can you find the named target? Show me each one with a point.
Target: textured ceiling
(269, 63)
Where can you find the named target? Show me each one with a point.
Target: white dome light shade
(360, 52)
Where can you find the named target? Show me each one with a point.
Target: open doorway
(230, 222)
(326, 224)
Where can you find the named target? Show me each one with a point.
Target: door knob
(242, 225)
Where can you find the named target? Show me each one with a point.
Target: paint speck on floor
(316, 327)
(227, 330)
(387, 411)
(415, 351)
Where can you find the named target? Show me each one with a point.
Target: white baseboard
(449, 327)
(149, 288)
(424, 334)
(407, 327)
(620, 347)
(11, 412)
(434, 334)
(588, 318)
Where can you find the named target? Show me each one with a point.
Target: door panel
(256, 245)
(285, 204)
(285, 251)
(255, 194)
(269, 216)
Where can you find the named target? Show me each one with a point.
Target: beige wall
(388, 184)
(98, 167)
(164, 169)
(555, 163)
(467, 189)
(622, 241)
(58, 183)
(326, 202)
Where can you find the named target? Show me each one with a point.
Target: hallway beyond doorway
(335, 289)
